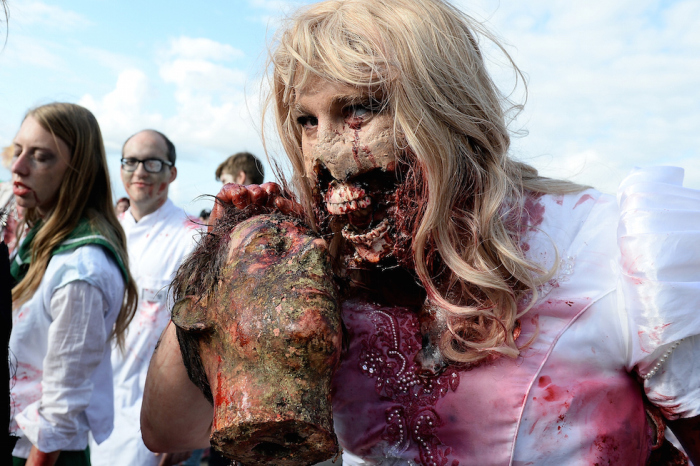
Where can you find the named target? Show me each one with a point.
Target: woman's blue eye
(358, 110)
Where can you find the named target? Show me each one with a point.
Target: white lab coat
(157, 245)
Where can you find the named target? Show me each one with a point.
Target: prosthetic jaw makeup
(347, 139)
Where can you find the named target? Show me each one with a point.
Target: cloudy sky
(611, 84)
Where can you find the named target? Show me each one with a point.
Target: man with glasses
(159, 235)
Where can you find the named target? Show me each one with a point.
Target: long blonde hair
(85, 192)
(450, 122)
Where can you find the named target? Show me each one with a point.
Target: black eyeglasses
(150, 165)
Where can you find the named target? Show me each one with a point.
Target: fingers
(275, 200)
(231, 193)
(225, 196)
(265, 195)
(240, 196)
(272, 190)
(227, 192)
(288, 207)
(258, 195)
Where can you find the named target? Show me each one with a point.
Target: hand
(265, 195)
(172, 459)
(39, 458)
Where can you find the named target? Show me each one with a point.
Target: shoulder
(179, 224)
(564, 224)
(90, 263)
(126, 218)
(659, 238)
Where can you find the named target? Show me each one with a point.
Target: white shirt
(157, 245)
(62, 387)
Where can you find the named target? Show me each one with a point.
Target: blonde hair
(450, 122)
(85, 192)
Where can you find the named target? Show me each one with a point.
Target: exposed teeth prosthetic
(347, 199)
(373, 245)
(342, 199)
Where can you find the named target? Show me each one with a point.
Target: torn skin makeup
(350, 159)
(268, 340)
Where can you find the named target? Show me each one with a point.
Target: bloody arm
(687, 431)
(175, 415)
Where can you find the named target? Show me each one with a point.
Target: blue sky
(612, 84)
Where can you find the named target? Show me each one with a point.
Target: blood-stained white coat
(157, 245)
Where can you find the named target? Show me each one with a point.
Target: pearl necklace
(658, 365)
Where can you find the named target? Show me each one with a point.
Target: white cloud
(24, 50)
(215, 112)
(203, 49)
(108, 59)
(122, 112)
(275, 11)
(39, 13)
(210, 102)
(201, 76)
(613, 84)
(276, 6)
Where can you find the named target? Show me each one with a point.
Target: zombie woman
(491, 315)
(73, 290)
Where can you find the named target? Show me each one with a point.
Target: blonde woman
(73, 290)
(493, 316)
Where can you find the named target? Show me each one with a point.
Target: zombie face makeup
(40, 162)
(147, 191)
(268, 341)
(350, 158)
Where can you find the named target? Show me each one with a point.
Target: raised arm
(175, 415)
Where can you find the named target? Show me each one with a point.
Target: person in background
(10, 213)
(122, 205)
(241, 168)
(8, 440)
(204, 216)
(73, 291)
(158, 236)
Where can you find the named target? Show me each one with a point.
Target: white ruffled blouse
(619, 319)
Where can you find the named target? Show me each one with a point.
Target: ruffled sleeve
(659, 240)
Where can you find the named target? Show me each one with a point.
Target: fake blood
(584, 198)
(269, 340)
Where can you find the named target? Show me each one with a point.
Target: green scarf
(82, 235)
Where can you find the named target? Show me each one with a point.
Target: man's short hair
(170, 153)
(246, 162)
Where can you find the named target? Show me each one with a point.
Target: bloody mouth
(364, 206)
(19, 189)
